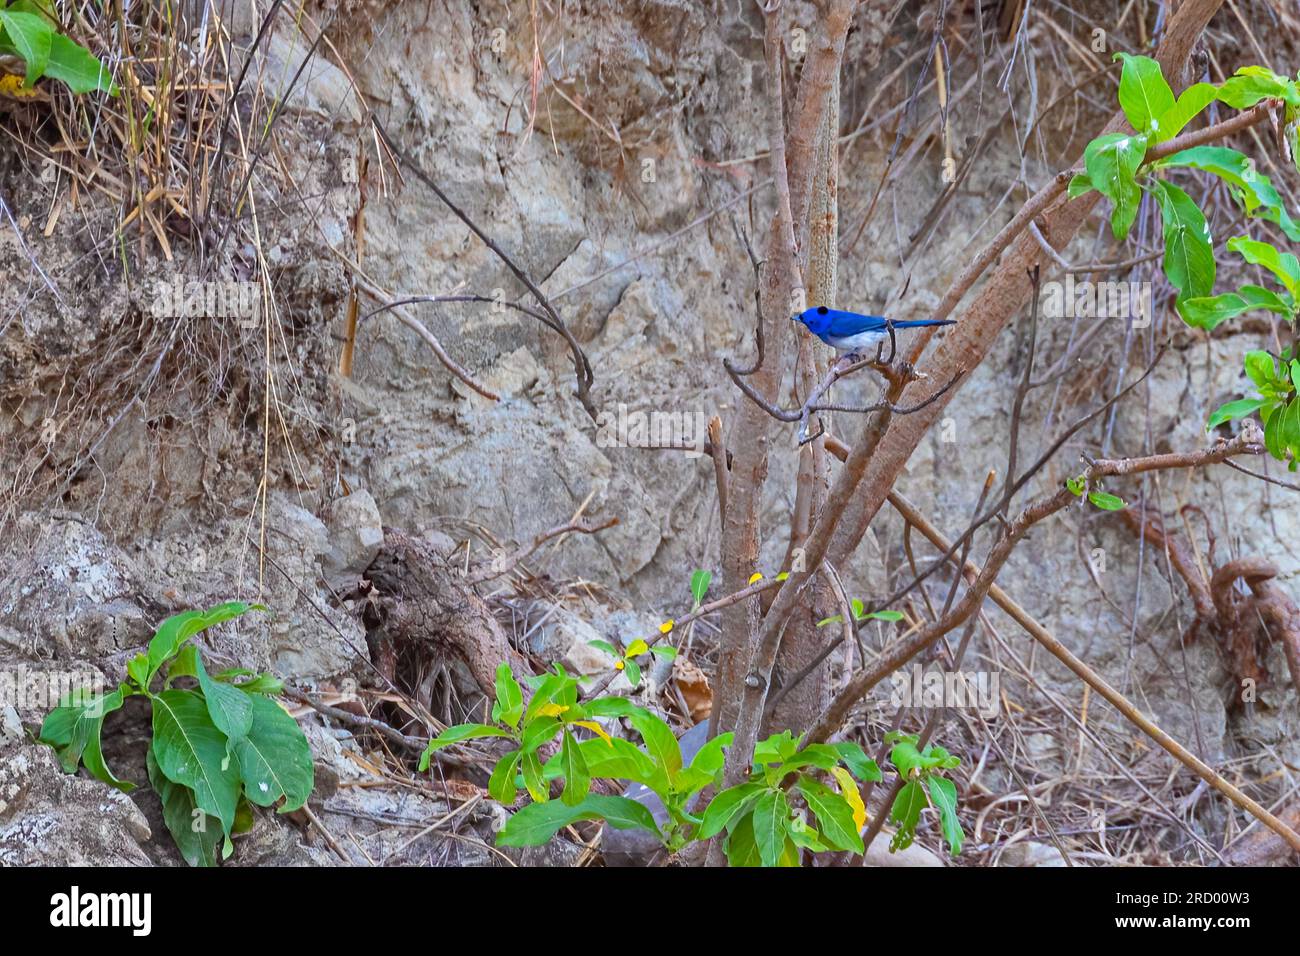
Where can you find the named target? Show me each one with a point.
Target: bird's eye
(822, 310)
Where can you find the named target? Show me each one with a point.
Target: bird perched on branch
(856, 334)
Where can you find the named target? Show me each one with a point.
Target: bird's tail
(918, 323)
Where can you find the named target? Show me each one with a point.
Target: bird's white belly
(862, 342)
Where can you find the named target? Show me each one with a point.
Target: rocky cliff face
(616, 153)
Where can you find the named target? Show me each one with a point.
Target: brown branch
(581, 365)
(968, 342)
(898, 655)
(507, 563)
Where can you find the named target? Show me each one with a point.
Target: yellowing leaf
(12, 87)
(637, 648)
(849, 789)
(756, 576)
(552, 710)
(596, 729)
(783, 575)
(666, 626)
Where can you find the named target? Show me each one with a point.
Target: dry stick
(389, 304)
(718, 452)
(581, 365)
(970, 340)
(506, 564)
(1061, 653)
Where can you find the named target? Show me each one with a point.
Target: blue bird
(853, 333)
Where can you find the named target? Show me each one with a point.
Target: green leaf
(619, 759)
(802, 835)
(883, 616)
(943, 794)
(771, 819)
(197, 834)
(179, 628)
(32, 36)
(1112, 163)
(856, 759)
(1251, 84)
(539, 731)
(243, 815)
(551, 688)
(633, 672)
(536, 823)
(137, 669)
(1189, 104)
(1238, 409)
(1282, 433)
(577, 782)
(229, 707)
(666, 651)
(606, 646)
(712, 757)
(191, 751)
(534, 781)
(700, 585)
(1076, 486)
(726, 807)
(1284, 266)
(267, 684)
(612, 707)
(834, 815)
(1189, 254)
(77, 67)
(274, 758)
(1207, 313)
(776, 748)
(637, 648)
(1249, 188)
(906, 814)
(1106, 502)
(501, 785)
(74, 733)
(1261, 369)
(660, 743)
(741, 847)
(457, 734)
(510, 699)
(1143, 93)
(1080, 185)
(905, 756)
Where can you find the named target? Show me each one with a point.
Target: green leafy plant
(29, 30)
(781, 809)
(765, 827)
(1078, 486)
(217, 748)
(1116, 166)
(1278, 381)
(625, 660)
(925, 787)
(861, 614)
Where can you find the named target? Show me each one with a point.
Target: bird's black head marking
(822, 310)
